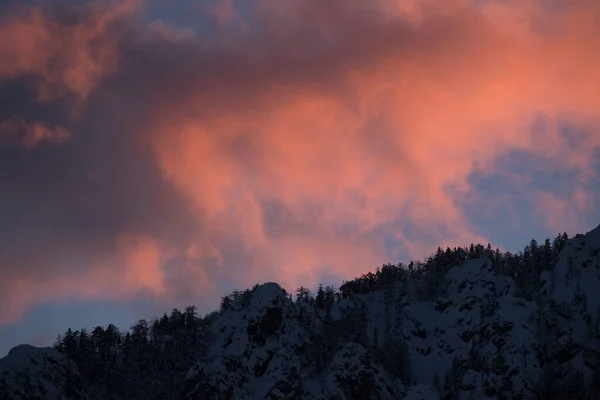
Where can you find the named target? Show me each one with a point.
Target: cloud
(29, 134)
(68, 55)
(394, 116)
(294, 141)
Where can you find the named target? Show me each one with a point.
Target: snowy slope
(479, 317)
(479, 321)
(476, 338)
(29, 372)
(260, 349)
(570, 311)
(479, 335)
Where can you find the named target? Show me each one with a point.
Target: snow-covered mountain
(28, 372)
(466, 324)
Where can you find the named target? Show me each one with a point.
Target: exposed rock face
(478, 337)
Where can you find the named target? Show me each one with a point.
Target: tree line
(167, 346)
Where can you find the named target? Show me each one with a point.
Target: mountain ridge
(466, 324)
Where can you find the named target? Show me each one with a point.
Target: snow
(265, 346)
(32, 372)
(437, 331)
(422, 392)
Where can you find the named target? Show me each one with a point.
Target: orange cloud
(142, 262)
(64, 57)
(393, 118)
(305, 145)
(134, 267)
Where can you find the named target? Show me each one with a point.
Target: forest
(152, 356)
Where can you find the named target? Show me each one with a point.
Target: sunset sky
(156, 154)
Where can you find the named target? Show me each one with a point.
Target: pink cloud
(133, 268)
(28, 134)
(297, 146)
(454, 89)
(65, 57)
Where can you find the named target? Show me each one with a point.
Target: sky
(157, 154)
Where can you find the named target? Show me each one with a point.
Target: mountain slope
(467, 324)
(28, 372)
